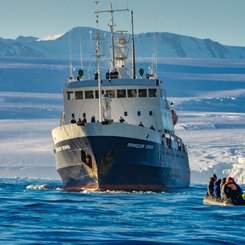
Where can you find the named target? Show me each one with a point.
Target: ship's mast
(111, 25)
(98, 56)
(81, 55)
(133, 49)
(70, 60)
(154, 56)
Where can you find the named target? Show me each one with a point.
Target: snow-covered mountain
(161, 44)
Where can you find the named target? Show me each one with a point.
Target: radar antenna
(111, 25)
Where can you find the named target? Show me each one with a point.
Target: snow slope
(26, 148)
(216, 144)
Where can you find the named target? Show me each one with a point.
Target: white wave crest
(38, 187)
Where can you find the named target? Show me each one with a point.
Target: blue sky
(219, 20)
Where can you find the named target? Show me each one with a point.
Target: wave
(39, 187)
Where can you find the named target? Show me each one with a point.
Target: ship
(117, 129)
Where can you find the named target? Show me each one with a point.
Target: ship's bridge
(135, 100)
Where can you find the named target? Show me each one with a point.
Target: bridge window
(89, 94)
(142, 93)
(97, 93)
(110, 93)
(78, 95)
(139, 113)
(125, 113)
(70, 95)
(121, 93)
(150, 113)
(132, 93)
(152, 93)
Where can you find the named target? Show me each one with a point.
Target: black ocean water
(39, 212)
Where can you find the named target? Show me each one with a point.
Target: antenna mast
(98, 55)
(81, 54)
(111, 25)
(133, 48)
(70, 59)
(154, 61)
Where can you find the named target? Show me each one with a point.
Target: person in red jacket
(231, 189)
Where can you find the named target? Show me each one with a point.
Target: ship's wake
(40, 187)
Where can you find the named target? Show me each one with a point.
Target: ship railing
(173, 141)
(169, 142)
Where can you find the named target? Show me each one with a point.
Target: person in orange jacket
(231, 189)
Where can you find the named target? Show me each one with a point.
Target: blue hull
(121, 164)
